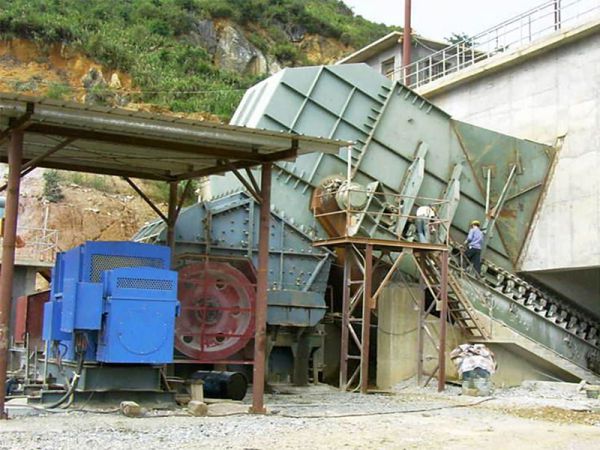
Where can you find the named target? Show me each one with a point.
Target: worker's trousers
(474, 256)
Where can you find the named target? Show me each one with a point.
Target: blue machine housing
(121, 295)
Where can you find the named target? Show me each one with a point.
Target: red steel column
(420, 337)
(345, 318)
(366, 320)
(260, 336)
(443, 322)
(15, 156)
(407, 40)
(171, 219)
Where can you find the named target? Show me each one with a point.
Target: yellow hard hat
(475, 222)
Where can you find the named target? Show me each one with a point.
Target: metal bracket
(19, 123)
(451, 199)
(411, 186)
(490, 221)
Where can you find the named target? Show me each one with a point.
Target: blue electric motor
(115, 301)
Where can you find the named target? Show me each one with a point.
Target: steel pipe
(407, 40)
(443, 321)
(15, 156)
(260, 336)
(172, 218)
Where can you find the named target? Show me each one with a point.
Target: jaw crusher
(215, 255)
(404, 147)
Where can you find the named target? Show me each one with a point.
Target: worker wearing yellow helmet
(473, 243)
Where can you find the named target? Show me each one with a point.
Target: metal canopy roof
(113, 141)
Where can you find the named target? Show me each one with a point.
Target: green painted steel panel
(386, 121)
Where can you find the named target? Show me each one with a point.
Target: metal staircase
(460, 310)
(502, 307)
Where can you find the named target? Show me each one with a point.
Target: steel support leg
(15, 156)
(366, 320)
(420, 342)
(345, 319)
(172, 218)
(443, 321)
(260, 338)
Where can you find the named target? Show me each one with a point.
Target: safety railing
(359, 212)
(514, 34)
(36, 245)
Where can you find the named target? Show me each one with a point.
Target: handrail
(513, 34)
(384, 219)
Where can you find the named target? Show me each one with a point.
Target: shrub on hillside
(52, 189)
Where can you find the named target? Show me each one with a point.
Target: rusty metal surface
(379, 243)
(260, 339)
(217, 311)
(29, 318)
(119, 142)
(15, 154)
(443, 321)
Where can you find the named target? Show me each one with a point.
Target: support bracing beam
(144, 197)
(490, 220)
(413, 179)
(248, 185)
(448, 208)
(184, 194)
(37, 160)
(30, 165)
(252, 179)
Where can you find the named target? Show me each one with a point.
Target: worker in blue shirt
(473, 243)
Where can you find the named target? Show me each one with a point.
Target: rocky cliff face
(58, 71)
(231, 49)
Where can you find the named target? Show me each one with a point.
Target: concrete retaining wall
(541, 98)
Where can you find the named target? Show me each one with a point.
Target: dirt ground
(321, 418)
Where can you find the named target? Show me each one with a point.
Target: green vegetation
(149, 39)
(331, 18)
(52, 190)
(58, 91)
(102, 183)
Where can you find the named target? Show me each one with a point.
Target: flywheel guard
(217, 311)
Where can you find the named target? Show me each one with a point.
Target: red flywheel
(217, 311)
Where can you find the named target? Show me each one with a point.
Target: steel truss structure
(363, 258)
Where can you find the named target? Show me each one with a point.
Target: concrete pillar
(398, 318)
(397, 347)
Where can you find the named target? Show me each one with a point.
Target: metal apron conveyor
(545, 319)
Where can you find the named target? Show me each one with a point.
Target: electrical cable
(72, 388)
(66, 411)
(382, 413)
(81, 342)
(126, 91)
(336, 416)
(278, 414)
